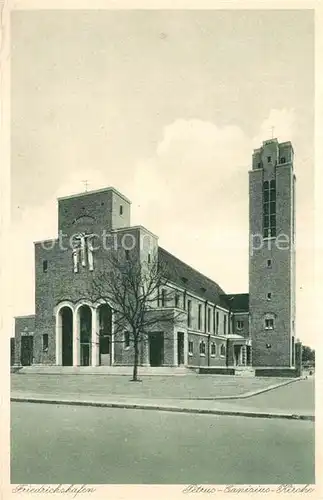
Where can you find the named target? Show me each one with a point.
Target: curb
(261, 391)
(175, 409)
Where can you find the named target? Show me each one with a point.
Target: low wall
(276, 372)
(210, 370)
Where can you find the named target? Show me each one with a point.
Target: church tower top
(272, 153)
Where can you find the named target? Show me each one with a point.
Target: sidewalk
(178, 405)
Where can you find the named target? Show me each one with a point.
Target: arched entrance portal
(85, 323)
(66, 320)
(105, 334)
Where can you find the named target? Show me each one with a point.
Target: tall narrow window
(217, 321)
(176, 299)
(126, 340)
(199, 317)
(189, 313)
(127, 254)
(121, 210)
(209, 320)
(149, 258)
(45, 266)
(45, 342)
(202, 348)
(224, 325)
(163, 298)
(269, 209)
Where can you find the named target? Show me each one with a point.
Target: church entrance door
(180, 348)
(156, 349)
(67, 336)
(237, 353)
(27, 344)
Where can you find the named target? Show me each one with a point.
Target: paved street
(66, 444)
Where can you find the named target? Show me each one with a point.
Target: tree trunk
(135, 363)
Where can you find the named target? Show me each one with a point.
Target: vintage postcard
(160, 300)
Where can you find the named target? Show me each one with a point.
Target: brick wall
(244, 318)
(93, 211)
(196, 359)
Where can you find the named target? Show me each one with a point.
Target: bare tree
(133, 289)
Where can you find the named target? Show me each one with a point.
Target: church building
(219, 333)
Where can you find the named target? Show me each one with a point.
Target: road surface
(70, 444)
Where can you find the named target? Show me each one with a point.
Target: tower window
(268, 262)
(45, 266)
(121, 210)
(269, 159)
(269, 296)
(269, 324)
(259, 165)
(127, 254)
(269, 209)
(283, 160)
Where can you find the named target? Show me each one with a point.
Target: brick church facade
(220, 332)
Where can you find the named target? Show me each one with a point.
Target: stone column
(185, 349)
(58, 340)
(76, 338)
(95, 338)
(175, 349)
(145, 352)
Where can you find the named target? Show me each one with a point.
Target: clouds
(198, 174)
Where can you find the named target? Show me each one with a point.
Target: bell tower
(272, 255)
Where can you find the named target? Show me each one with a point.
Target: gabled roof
(238, 302)
(188, 278)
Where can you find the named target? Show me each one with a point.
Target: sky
(166, 106)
